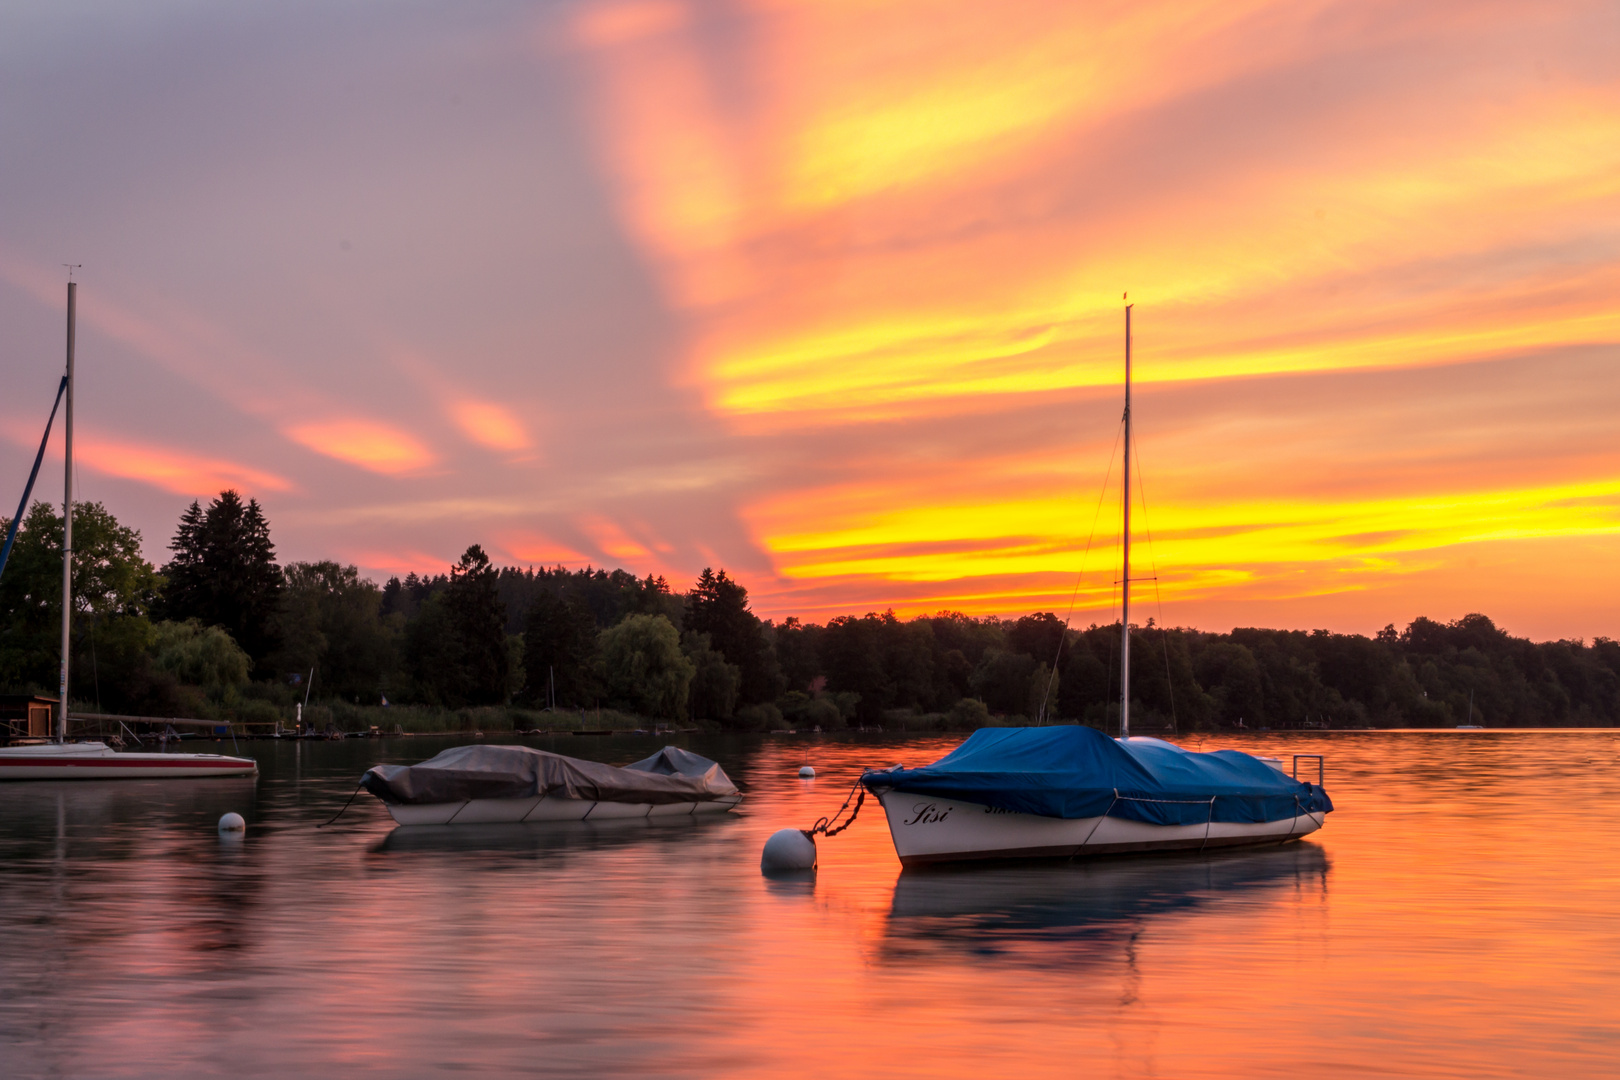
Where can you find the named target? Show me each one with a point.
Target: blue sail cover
(1078, 772)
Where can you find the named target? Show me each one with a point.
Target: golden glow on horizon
(366, 443)
(1188, 543)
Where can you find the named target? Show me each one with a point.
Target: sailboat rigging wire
(1164, 636)
(1080, 577)
(11, 533)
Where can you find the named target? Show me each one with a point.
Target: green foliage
(113, 589)
(715, 683)
(1085, 683)
(1230, 674)
(455, 649)
(329, 621)
(224, 573)
(967, 714)
(643, 667)
(559, 642)
(608, 595)
(446, 641)
(805, 712)
(760, 717)
(200, 656)
(718, 606)
(1003, 680)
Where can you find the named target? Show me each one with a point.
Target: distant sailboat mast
(1125, 575)
(67, 528)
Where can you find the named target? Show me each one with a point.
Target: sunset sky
(830, 294)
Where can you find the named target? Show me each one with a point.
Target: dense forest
(224, 631)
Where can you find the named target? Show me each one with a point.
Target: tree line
(223, 630)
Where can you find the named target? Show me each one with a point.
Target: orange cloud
(173, 470)
(537, 548)
(611, 539)
(490, 425)
(366, 443)
(930, 209)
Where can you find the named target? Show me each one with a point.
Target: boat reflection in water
(1063, 913)
(545, 838)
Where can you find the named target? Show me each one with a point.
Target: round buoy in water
(232, 823)
(788, 849)
(806, 771)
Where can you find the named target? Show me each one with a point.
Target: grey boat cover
(481, 771)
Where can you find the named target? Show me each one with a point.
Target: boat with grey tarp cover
(482, 783)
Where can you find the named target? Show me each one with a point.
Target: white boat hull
(545, 808)
(931, 830)
(97, 761)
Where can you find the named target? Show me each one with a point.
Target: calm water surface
(1457, 917)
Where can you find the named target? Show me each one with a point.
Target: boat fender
(795, 849)
(788, 849)
(232, 823)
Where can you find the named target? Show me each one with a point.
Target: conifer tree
(456, 647)
(559, 648)
(718, 606)
(224, 572)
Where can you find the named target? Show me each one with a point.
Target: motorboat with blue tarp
(1068, 791)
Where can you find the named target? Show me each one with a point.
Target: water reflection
(547, 838)
(1058, 913)
(1432, 929)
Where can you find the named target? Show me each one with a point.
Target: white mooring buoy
(232, 823)
(788, 849)
(806, 771)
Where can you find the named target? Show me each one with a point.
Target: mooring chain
(339, 814)
(825, 826)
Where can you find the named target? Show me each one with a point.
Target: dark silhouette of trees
(718, 606)
(224, 573)
(455, 649)
(114, 589)
(330, 621)
(644, 667)
(559, 652)
(715, 683)
(145, 646)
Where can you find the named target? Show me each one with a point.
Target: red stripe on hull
(114, 763)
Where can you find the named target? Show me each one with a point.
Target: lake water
(1458, 916)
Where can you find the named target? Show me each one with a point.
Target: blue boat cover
(1078, 772)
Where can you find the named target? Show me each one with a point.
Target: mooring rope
(826, 826)
(339, 814)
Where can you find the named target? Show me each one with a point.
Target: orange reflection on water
(1433, 927)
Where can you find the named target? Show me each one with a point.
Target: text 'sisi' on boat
(1067, 792)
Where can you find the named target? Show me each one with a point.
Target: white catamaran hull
(931, 830)
(545, 808)
(97, 761)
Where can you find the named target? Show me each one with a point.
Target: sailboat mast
(67, 528)
(1125, 575)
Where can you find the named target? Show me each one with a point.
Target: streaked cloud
(491, 425)
(173, 470)
(372, 445)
